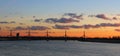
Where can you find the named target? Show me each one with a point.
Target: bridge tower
(29, 32)
(11, 33)
(84, 35)
(47, 35)
(65, 35)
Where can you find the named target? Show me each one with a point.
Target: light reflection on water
(58, 48)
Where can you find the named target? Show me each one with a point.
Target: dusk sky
(99, 18)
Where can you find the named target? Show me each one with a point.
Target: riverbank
(103, 40)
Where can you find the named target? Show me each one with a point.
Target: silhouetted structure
(11, 33)
(84, 35)
(47, 35)
(65, 35)
(114, 39)
(17, 35)
(0, 31)
(29, 34)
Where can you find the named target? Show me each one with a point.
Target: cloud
(110, 24)
(71, 26)
(12, 22)
(51, 20)
(34, 16)
(117, 14)
(87, 26)
(61, 20)
(117, 30)
(37, 20)
(31, 28)
(32, 32)
(91, 15)
(114, 18)
(65, 20)
(74, 15)
(4, 22)
(101, 25)
(70, 14)
(61, 27)
(22, 23)
(66, 26)
(39, 28)
(102, 16)
(5, 16)
(20, 28)
(75, 26)
(21, 17)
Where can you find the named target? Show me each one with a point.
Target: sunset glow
(99, 19)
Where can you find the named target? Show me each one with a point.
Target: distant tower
(65, 33)
(17, 35)
(47, 33)
(84, 34)
(11, 33)
(0, 31)
(29, 32)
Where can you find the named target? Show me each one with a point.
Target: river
(58, 48)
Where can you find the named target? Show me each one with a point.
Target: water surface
(58, 48)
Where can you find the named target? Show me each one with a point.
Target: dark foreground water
(58, 48)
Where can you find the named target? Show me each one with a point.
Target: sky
(98, 18)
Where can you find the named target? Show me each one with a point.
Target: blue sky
(48, 7)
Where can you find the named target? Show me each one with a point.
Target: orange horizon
(70, 33)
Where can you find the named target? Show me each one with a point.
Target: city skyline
(97, 18)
